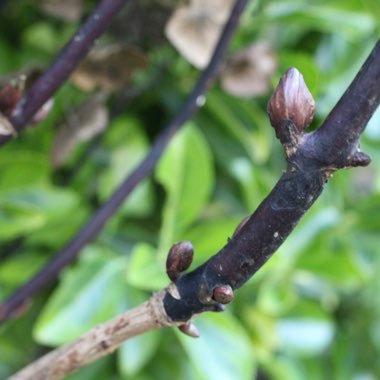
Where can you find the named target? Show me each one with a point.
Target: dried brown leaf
(108, 67)
(87, 121)
(194, 29)
(249, 71)
(69, 10)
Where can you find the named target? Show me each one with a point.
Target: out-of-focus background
(312, 312)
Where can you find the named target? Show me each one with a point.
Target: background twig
(65, 256)
(69, 57)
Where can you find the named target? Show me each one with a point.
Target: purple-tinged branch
(53, 78)
(314, 157)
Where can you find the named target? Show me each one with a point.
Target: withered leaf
(87, 121)
(108, 67)
(249, 71)
(194, 29)
(69, 10)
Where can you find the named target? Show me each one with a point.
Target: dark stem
(318, 154)
(145, 168)
(45, 87)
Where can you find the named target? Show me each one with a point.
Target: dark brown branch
(45, 87)
(68, 254)
(211, 285)
(312, 158)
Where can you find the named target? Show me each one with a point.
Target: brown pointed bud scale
(223, 294)
(291, 102)
(179, 258)
(190, 329)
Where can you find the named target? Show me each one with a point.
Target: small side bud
(180, 257)
(10, 94)
(291, 106)
(190, 329)
(223, 294)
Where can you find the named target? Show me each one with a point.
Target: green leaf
(330, 18)
(223, 351)
(227, 113)
(16, 219)
(90, 293)
(136, 352)
(17, 269)
(26, 210)
(100, 369)
(144, 270)
(186, 172)
(339, 267)
(311, 226)
(22, 167)
(209, 237)
(306, 336)
(128, 149)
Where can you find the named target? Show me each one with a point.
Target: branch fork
(179, 259)
(291, 110)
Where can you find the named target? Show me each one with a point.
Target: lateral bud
(291, 107)
(179, 258)
(190, 329)
(223, 294)
(359, 159)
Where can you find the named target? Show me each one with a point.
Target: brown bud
(11, 93)
(223, 294)
(180, 257)
(190, 329)
(9, 96)
(291, 102)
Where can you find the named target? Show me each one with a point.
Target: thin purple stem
(74, 51)
(68, 254)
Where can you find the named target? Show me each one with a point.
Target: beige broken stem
(100, 341)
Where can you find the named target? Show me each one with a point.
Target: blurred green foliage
(312, 312)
